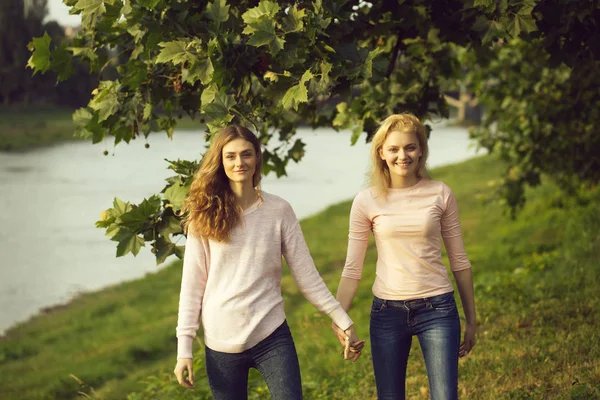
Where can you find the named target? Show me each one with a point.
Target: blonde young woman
(236, 237)
(413, 295)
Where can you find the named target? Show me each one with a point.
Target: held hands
(469, 340)
(183, 365)
(349, 341)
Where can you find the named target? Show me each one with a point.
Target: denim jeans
(435, 322)
(274, 357)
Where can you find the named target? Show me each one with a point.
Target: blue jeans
(434, 320)
(274, 357)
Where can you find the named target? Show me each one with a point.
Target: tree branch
(392, 62)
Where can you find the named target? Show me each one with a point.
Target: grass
(536, 281)
(24, 128)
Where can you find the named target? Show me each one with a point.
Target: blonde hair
(211, 207)
(380, 179)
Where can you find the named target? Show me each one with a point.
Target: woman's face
(401, 152)
(239, 160)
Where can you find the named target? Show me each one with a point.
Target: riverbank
(26, 128)
(538, 306)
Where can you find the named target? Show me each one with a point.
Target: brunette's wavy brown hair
(211, 208)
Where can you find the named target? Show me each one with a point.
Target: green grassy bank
(23, 128)
(536, 283)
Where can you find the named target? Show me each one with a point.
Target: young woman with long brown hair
(236, 237)
(413, 295)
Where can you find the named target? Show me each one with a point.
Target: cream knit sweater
(235, 287)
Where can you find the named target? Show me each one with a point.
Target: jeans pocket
(444, 302)
(378, 305)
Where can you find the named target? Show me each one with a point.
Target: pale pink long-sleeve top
(407, 225)
(235, 287)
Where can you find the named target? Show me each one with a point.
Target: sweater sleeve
(451, 233)
(296, 254)
(358, 238)
(193, 284)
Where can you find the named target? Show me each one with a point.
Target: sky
(58, 12)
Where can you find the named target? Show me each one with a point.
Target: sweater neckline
(408, 188)
(253, 207)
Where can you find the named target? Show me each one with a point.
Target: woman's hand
(469, 340)
(183, 365)
(349, 341)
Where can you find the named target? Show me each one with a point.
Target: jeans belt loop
(428, 303)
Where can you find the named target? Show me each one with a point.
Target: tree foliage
(270, 65)
(19, 21)
(541, 120)
(542, 98)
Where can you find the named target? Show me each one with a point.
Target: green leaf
(342, 117)
(126, 7)
(164, 249)
(176, 195)
(149, 207)
(128, 242)
(112, 230)
(209, 94)
(136, 32)
(175, 52)
(90, 11)
(297, 151)
(106, 100)
(217, 11)
(82, 116)
(293, 20)
(86, 52)
(271, 76)
(265, 8)
(62, 63)
(87, 125)
(147, 111)
(298, 93)
(40, 58)
(202, 70)
(263, 33)
(261, 26)
(367, 68)
(357, 131)
(514, 27)
(527, 23)
(139, 215)
(325, 81)
(216, 104)
(169, 226)
(483, 3)
(119, 207)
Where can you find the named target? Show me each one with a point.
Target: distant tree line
(19, 22)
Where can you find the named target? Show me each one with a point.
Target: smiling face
(239, 161)
(401, 153)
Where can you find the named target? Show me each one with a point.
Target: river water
(50, 249)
